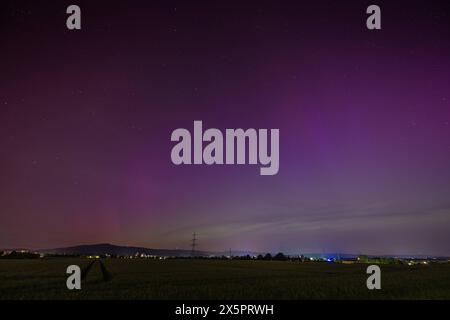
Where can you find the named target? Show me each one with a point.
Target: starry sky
(364, 118)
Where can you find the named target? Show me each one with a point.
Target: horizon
(215, 251)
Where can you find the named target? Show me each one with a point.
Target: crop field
(218, 279)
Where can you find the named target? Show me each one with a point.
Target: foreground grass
(214, 279)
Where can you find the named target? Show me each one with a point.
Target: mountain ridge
(107, 248)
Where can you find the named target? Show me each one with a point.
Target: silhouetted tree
(280, 256)
(268, 256)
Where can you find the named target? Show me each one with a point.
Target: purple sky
(364, 118)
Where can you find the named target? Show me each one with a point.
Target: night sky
(364, 117)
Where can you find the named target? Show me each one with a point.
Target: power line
(194, 243)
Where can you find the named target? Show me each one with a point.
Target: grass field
(216, 279)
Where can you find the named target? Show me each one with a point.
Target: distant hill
(106, 248)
